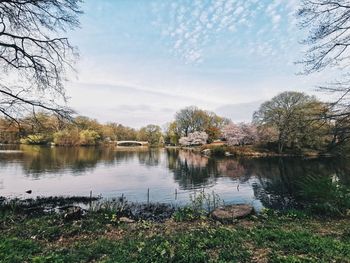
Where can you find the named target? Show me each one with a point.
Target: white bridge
(127, 143)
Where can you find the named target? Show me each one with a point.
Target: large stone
(230, 213)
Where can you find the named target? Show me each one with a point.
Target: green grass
(99, 237)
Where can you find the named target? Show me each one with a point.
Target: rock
(126, 220)
(228, 154)
(73, 213)
(230, 213)
(206, 152)
(29, 191)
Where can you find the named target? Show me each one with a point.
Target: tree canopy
(295, 116)
(34, 56)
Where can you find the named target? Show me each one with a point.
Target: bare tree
(34, 56)
(328, 24)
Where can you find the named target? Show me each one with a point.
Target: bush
(219, 151)
(88, 137)
(35, 139)
(66, 137)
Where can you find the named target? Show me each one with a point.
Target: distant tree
(9, 132)
(295, 116)
(233, 134)
(123, 133)
(189, 120)
(34, 139)
(108, 133)
(250, 133)
(33, 55)
(194, 138)
(85, 123)
(88, 137)
(67, 137)
(192, 119)
(185, 141)
(267, 134)
(240, 134)
(172, 133)
(214, 125)
(151, 133)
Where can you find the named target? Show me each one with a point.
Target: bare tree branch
(32, 52)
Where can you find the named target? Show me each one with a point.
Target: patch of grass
(190, 236)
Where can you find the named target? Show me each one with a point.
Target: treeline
(289, 122)
(46, 128)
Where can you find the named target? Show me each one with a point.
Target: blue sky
(142, 60)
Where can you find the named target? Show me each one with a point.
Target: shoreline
(233, 151)
(251, 152)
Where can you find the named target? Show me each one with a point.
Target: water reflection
(192, 170)
(273, 182)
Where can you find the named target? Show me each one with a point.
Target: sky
(143, 60)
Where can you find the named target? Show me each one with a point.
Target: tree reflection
(191, 170)
(278, 183)
(283, 182)
(37, 160)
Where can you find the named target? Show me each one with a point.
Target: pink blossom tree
(250, 132)
(233, 134)
(194, 138)
(240, 134)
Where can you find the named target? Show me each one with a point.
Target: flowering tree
(240, 134)
(250, 133)
(194, 138)
(184, 141)
(233, 134)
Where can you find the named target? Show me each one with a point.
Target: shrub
(34, 139)
(88, 137)
(66, 137)
(218, 151)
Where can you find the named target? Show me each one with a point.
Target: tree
(194, 138)
(250, 133)
(192, 119)
(9, 132)
(119, 132)
(34, 56)
(233, 134)
(240, 134)
(295, 116)
(328, 24)
(189, 120)
(172, 134)
(151, 133)
(67, 137)
(88, 137)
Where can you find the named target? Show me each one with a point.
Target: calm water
(269, 182)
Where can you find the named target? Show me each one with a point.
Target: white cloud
(191, 25)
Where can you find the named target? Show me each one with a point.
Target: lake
(170, 175)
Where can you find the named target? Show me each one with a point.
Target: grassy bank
(101, 236)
